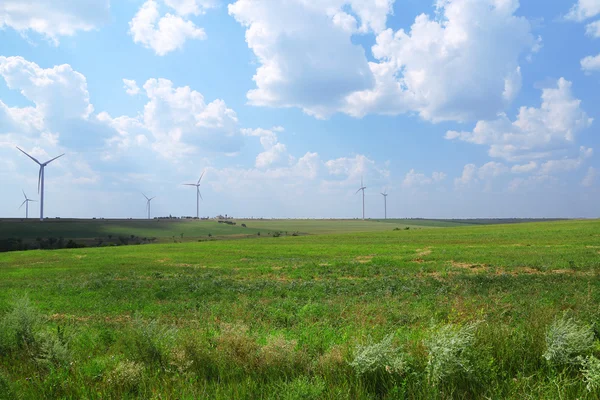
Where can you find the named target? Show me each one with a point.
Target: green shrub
(567, 340)
(379, 357)
(151, 343)
(280, 355)
(6, 392)
(450, 352)
(18, 328)
(126, 376)
(591, 372)
(53, 350)
(303, 388)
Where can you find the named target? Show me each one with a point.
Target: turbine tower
(362, 187)
(41, 180)
(148, 200)
(198, 195)
(26, 202)
(385, 195)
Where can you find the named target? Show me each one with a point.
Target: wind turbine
(362, 187)
(198, 195)
(26, 202)
(385, 195)
(148, 200)
(41, 180)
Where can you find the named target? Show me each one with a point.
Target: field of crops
(498, 311)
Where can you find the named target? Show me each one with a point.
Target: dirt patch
(163, 260)
(67, 317)
(324, 265)
(469, 266)
(79, 257)
(423, 252)
(244, 259)
(364, 259)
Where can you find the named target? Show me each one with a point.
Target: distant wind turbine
(385, 195)
(362, 187)
(41, 180)
(198, 195)
(148, 200)
(26, 203)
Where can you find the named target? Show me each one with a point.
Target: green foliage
(303, 388)
(151, 342)
(380, 357)
(567, 340)
(450, 352)
(590, 367)
(18, 327)
(127, 376)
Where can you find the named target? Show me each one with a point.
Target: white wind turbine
(148, 200)
(41, 180)
(198, 195)
(385, 195)
(26, 202)
(362, 187)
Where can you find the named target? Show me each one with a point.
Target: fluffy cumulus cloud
(593, 29)
(131, 87)
(415, 179)
(306, 55)
(166, 33)
(591, 64)
(536, 132)
(460, 65)
(53, 19)
(176, 121)
(59, 95)
(191, 7)
(583, 10)
(274, 153)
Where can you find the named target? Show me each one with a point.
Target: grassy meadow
(495, 311)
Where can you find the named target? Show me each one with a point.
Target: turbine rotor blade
(201, 177)
(200, 194)
(189, 184)
(48, 162)
(29, 156)
(40, 178)
(145, 196)
(22, 204)
(24, 195)
(358, 190)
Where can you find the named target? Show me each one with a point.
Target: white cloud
(468, 176)
(566, 164)
(415, 179)
(53, 19)
(591, 64)
(294, 42)
(583, 10)
(131, 87)
(590, 177)
(593, 29)
(177, 121)
(491, 169)
(274, 153)
(162, 34)
(460, 65)
(191, 7)
(524, 168)
(536, 132)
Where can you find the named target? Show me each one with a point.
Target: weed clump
(379, 357)
(303, 388)
(54, 349)
(18, 328)
(591, 372)
(126, 376)
(236, 345)
(567, 340)
(450, 352)
(151, 343)
(279, 354)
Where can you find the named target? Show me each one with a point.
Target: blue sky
(458, 108)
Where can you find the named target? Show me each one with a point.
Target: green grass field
(461, 312)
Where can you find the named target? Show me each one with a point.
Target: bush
(567, 340)
(127, 375)
(379, 357)
(54, 349)
(18, 328)
(280, 354)
(5, 389)
(151, 343)
(450, 352)
(591, 372)
(236, 345)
